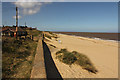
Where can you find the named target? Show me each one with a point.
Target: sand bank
(102, 53)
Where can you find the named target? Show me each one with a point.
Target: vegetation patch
(52, 45)
(34, 32)
(18, 56)
(53, 35)
(77, 58)
(48, 36)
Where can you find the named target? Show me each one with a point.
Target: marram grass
(77, 58)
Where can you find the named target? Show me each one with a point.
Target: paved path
(38, 70)
(44, 66)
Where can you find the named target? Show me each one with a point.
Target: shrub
(66, 57)
(69, 58)
(52, 45)
(50, 32)
(48, 36)
(77, 58)
(61, 51)
(34, 32)
(15, 53)
(53, 35)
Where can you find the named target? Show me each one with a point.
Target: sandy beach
(102, 53)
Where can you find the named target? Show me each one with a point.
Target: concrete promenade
(38, 70)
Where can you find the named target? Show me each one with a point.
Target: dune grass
(52, 45)
(18, 55)
(52, 35)
(48, 36)
(34, 32)
(77, 58)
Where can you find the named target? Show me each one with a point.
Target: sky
(64, 16)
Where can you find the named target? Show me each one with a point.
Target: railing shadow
(51, 69)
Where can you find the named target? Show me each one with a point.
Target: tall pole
(25, 24)
(15, 33)
(16, 19)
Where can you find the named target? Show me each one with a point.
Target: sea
(95, 35)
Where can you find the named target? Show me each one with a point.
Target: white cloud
(29, 11)
(30, 7)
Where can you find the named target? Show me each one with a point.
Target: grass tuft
(52, 45)
(61, 51)
(48, 36)
(74, 57)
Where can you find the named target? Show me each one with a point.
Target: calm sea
(106, 36)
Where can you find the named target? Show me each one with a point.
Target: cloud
(30, 7)
(18, 17)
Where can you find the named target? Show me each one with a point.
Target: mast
(16, 19)
(15, 33)
(25, 24)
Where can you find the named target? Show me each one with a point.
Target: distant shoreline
(82, 32)
(101, 35)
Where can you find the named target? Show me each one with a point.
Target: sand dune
(102, 53)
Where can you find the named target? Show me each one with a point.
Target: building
(7, 31)
(14, 31)
(11, 31)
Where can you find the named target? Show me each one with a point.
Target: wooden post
(15, 33)
(16, 19)
(32, 37)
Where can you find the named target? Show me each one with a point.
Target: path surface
(44, 66)
(38, 70)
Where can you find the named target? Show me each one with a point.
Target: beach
(102, 53)
(59, 39)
